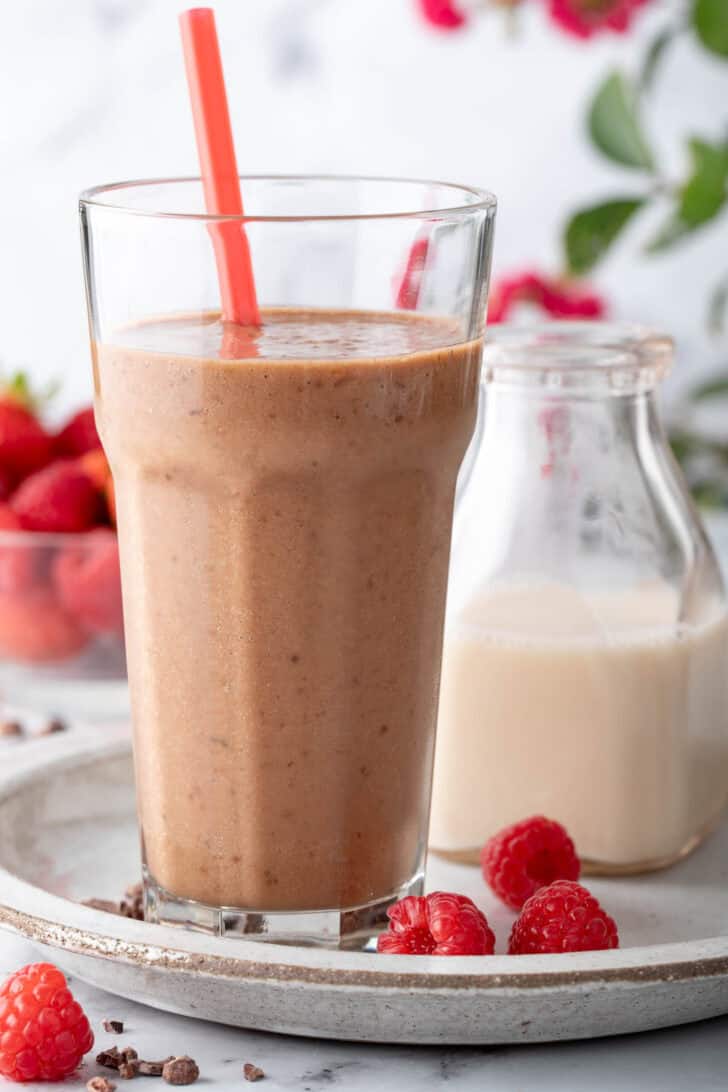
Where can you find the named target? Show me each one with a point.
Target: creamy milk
(601, 711)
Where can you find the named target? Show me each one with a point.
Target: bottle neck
(572, 488)
(552, 433)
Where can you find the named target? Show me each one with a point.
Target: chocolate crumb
(102, 904)
(132, 905)
(113, 1025)
(154, 1069)
(100, 1084)
(113, 1058)
(182, 1070)
(252, 1072)
(129, 1069)
(53, 726)
(11, 728)
(135, 911)
(110, 1058)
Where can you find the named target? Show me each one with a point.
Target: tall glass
(284, 501)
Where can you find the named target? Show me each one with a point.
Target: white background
(93, 91)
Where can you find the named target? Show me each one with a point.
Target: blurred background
(601, 125)
(496, 95)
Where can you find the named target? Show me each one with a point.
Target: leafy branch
(616, 130)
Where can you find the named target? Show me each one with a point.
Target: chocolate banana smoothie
(285, 503)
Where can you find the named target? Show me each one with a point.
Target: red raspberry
(563, 917)
(44, 1032)
(528, 855)
(438, 924)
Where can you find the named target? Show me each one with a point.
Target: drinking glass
(284, 499)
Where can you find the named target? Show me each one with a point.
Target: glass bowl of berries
(61, 622)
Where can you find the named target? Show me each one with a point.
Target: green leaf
(654, 55)
(614, 124)
(18, 387)
(590, 232)
(710, 22)
(717, 387)
(671, 232)
(700, 198)
(704, 193)
(709, 494)
(718, 307)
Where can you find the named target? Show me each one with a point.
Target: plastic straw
(218, 165)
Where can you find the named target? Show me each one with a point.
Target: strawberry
(88, 582)
(9, 520)
(17, 558)
(78, 435)
(7, 483)
(25, 446)
(62, 498)
(111, 500)
(94, 463)
(33, 627)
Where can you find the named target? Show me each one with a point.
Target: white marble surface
(691, 1058)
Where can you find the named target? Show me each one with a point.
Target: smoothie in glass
(285, 555)
(284, 495)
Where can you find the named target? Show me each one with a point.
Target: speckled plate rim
(56, 922)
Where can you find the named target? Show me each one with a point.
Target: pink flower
(583, 18)
(559, 298)
(442, 14)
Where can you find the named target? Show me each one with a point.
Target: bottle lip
(621, 356)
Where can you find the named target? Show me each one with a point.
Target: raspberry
(44, 1032)
(563, 917)
(528, 855)
(438, 924)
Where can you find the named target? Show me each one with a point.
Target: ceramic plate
(68, 832)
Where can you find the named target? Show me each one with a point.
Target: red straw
(218, 165)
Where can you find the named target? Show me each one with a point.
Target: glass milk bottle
(585, 671)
